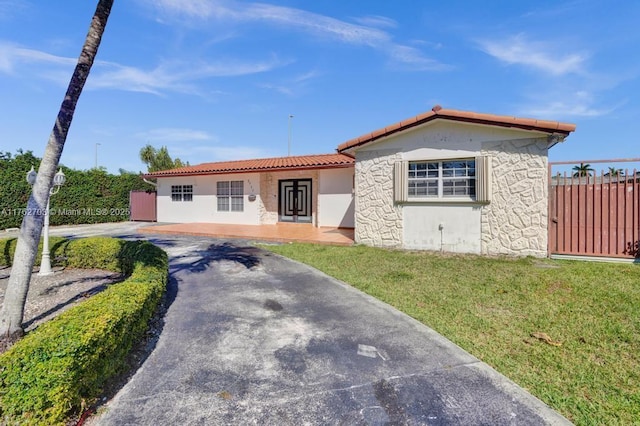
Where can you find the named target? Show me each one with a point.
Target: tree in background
(159, 159)
(12, 312)
(614, 172)
(583, 170)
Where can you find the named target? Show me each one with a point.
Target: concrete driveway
(254, 338)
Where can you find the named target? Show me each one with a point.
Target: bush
(8, 248)
(88, 196)
(46, 376)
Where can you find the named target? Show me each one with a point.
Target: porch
(281, 232)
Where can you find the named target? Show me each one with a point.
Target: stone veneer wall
(378, 219)
(515, 222)
(269, 193)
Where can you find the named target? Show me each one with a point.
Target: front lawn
(589, 366)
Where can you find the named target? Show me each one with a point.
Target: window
(442, 179)
(455, 179)
(181, 192)
(230, 195)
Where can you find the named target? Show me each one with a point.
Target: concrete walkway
(280, 232)
(253, 338)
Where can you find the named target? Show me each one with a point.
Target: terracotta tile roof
(321, 161)
(437, 112)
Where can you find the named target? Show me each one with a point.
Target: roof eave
(554, 128)
(246, 171)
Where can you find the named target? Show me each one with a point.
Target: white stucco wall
(335, 198)
(452, 228)
(203, 208)
(518, 178)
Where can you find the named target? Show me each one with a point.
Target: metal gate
(595, 215)
(142, 206)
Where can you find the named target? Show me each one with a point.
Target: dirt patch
(53, 294)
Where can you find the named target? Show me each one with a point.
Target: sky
(216, 80)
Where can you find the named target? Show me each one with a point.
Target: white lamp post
(58, 181)
(289, 144)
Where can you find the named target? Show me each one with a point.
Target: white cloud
(376, 21)
(577, 104)
(174, 76)
(292, 86)
(542, 56)
(9, 8)
(13, 56)
(169, 76)
(365, 34)
(172, 134)
(198, 154)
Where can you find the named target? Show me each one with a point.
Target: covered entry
(295, 200)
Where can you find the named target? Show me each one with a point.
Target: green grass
(490, 307)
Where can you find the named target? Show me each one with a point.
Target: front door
(295, 200)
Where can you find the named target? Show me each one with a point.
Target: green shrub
(47, 375)
(88, 196)
(8, 248)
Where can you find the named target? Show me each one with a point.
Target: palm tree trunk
(12, 311)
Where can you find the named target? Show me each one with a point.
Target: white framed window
(181, 192)
(441, 180)
(230, 196)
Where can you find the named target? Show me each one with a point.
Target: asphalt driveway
(253, 338)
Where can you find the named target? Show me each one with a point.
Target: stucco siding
(515, 222)
(203, 207)
(441, 227)
(335, 198)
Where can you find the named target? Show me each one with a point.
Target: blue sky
(216, 80)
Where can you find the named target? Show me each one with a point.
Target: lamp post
(97, 143)
(289, 144)
(58, 181)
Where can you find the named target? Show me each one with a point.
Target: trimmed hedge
(46, 376)
(8, 248)
(88, 196)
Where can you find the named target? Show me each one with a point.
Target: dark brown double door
(295, 200)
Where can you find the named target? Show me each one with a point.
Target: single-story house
(447, 180)
(315, 189)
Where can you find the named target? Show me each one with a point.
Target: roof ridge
(437, 112)
(327, 160)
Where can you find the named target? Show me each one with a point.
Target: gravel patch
(51, 295)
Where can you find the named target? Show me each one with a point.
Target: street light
(97, 143)
(289, 144)
(58, 181)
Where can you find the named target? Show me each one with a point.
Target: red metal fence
(142, 206)
(595, 215)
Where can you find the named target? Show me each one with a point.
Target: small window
(230, 195)
(181, 192)
(442, 179)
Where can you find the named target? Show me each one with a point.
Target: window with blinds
(441, 180)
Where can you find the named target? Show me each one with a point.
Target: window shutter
(400, 186)
(483, 178)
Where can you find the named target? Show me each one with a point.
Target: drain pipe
(149, 182)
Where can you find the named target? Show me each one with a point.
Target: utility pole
(97, 154)
(289, 145)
